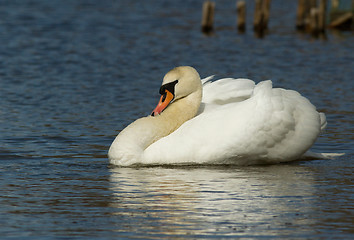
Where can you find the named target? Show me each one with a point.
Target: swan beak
(165, 100)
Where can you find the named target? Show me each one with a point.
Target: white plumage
(237, 122)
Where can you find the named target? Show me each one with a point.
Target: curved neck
(179, 112)
(130, 144)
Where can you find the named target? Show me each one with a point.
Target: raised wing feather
(226, 90)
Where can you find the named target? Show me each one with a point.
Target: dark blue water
(74, 73)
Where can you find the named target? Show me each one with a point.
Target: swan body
(228, 121)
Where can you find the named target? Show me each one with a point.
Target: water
(74, 73)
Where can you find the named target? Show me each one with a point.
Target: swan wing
(226, 90)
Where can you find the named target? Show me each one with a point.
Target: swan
(227, 121)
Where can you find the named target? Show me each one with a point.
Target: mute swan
(228, 121)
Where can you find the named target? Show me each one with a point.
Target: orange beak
(165, 100)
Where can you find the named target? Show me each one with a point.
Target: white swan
(229, 121)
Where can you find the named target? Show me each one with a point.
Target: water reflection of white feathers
(238, 200)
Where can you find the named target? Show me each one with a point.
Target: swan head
(178, 83)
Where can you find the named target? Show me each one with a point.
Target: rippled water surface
(74, 73)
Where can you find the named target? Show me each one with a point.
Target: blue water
(74, 73)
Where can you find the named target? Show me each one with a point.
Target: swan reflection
(213, 199)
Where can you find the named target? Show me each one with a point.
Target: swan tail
(207, 79)
(323, 121)
(313, 155)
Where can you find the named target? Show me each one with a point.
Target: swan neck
(130, 144)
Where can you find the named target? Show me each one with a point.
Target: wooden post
(322, 15)
(257, 20)
(258, 24)
(300, 15)
(241, 15)
(309, 19)
(261, 16)
(341, 18)
(208, 16)
(314, 22)
(266, 10)
(343, 22)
